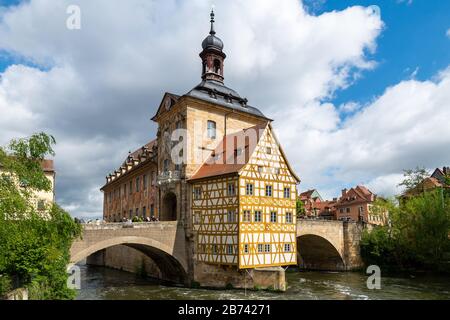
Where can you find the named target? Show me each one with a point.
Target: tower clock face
(167, 103)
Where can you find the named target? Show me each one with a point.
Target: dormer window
(211, 129)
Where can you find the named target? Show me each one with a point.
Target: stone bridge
(329, 244)
(162, 242)
(322, 245)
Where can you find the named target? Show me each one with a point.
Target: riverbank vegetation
(34, 245)
(416, 237)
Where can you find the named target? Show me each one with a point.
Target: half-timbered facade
(244, 202)
(221, 173)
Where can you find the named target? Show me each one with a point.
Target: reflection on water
(99, 283)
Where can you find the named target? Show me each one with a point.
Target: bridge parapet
(125, 225)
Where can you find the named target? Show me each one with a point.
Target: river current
(98, 283)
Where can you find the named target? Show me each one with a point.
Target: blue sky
(100, 91)
(413, 44)
(414, 38)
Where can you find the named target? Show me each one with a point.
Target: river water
(98, 283)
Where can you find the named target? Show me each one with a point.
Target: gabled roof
(284, 155)
(310, 194)
(174, 98)
(440, 174)
(362, 195)
(224, 159)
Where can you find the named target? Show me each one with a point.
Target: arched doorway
(169, 207)
(317, 253)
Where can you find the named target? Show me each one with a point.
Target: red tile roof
(135, 154)
(307, 194)
(224, 160)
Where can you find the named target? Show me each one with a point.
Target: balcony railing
(168, 177)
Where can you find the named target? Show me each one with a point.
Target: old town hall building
(217, 168)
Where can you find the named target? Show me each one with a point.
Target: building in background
(131, 191)
(43, 200)
(436, 180)
(311, 202)
(355, 205)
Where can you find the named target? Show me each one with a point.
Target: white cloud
(405, 127)
(448, 33)
(101, 85)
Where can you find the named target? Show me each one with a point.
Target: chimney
(344, 191)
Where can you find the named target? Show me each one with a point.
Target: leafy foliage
(34, 247)
(413, 177)
(300, 208)
(417, 236)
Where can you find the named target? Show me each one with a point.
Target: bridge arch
(318, 253)
(172, 266)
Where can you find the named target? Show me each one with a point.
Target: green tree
(300, 208)
(413, 177)
(34, 247)
(417, 236)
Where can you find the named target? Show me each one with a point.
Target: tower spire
(212, 32)
(212, 55)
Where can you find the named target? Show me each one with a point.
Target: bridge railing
(120, 225)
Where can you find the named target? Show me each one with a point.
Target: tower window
(211, 129)
(217, 66)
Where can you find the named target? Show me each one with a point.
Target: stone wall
(352, 238)
(125, 258)
(17, 294)
(214, 276)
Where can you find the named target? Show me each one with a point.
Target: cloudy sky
(358, 93)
